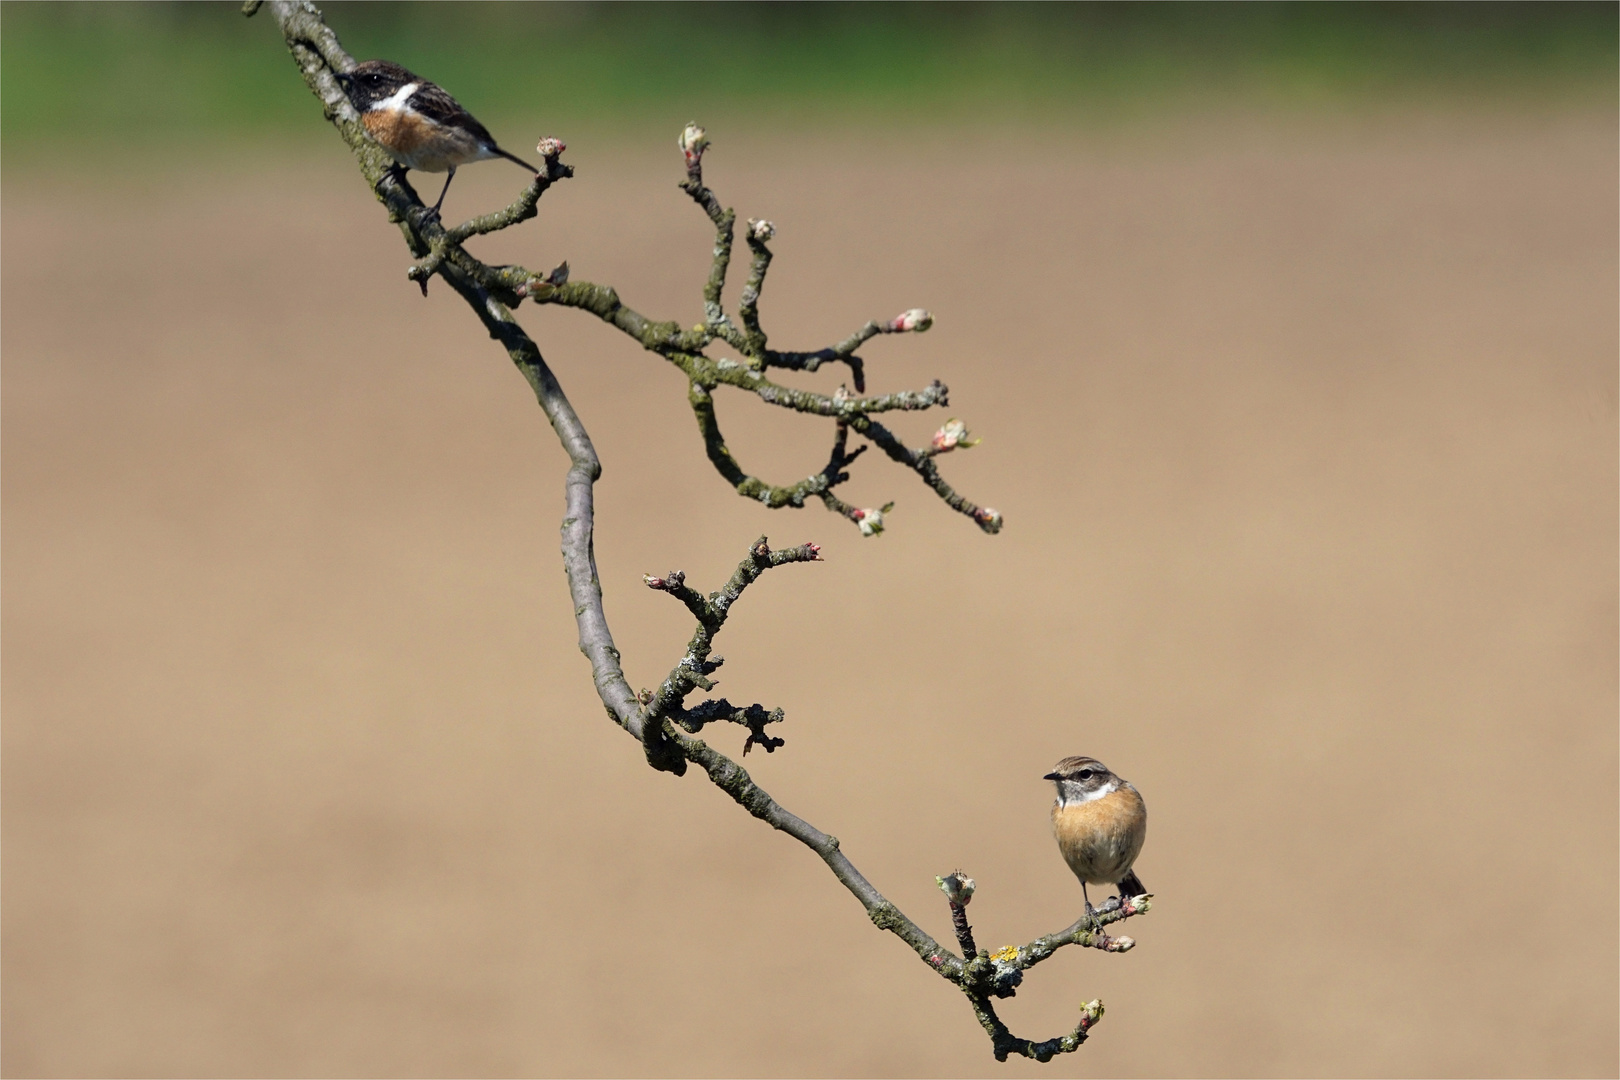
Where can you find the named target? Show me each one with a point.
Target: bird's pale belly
(1100, 839)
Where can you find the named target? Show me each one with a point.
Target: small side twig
(916, 320)
(984, 976)
(754, 718)
(748, 304)
(958, 889)
(692, 142)
(693, 669)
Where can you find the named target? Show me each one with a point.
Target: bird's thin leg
(1091, 912)
(433, 212)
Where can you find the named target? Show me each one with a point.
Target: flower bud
(693, 141)
(870, 520)
(988, 518)
(952, 435)
(1091, 1012)
(550, 148)
(916, 319)
(558, 275)
(672, 580)
(761, 230)
(957, 887)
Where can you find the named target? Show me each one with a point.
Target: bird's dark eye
(1084, 774)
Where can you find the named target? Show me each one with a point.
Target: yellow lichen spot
(1006, 954)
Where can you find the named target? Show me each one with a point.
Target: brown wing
(432, 102)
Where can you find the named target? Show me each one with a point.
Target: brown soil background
(1305, 434)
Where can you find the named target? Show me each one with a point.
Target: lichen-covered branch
(693, 141)
(916, 319)
(660, 720)
(999, 974)
(694, 668)
(435, 246)
(922, 463)
(754, 718)
(752, 487)
(748, 304)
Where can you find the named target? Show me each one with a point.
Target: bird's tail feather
(514, 157)
(1131, 885)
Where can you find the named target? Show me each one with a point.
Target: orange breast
(417, 143)
(1100, 839)
(400, 131)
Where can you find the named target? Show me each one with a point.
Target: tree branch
(748, 304)
(659, 719)
(914, 320)
(684, 348)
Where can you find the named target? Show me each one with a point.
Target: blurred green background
(121, 76)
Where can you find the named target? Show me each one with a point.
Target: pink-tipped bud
(957, 887)
(841, 394)
(1090, 1013)
(672, 580)
(693, 141)
(814, 550)
(916, 319)
(988, 518)
(550, 148)
(952, 435)
(761, 230)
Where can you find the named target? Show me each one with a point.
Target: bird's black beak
(1051, 776)
(344, 79)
